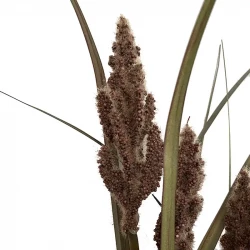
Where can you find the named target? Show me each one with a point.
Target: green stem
(171, 142)
(228, 115)
(221, 105)
(95, 58)
(213, 234)
(211, 93)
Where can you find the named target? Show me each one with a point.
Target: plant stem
(133, 241)
(211, 93)
(59, 119)
(173, 128)
(228, 115)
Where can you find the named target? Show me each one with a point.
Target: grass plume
(126, 113)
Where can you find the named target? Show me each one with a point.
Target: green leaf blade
(55, 117)
(96, 61)
(173, 129)
(228, 115)
(212, 91)
(221, 105)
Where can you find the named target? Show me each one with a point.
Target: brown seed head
(190, 176)
(131, 162)
(237, 219)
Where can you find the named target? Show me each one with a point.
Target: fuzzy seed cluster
(190, 177)
(237, 219)
(131, 161)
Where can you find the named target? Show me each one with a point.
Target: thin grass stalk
(212, 91)
(173, 128)
(229, 123)
(213, 234)
(96, 61)
(221, 105)
(159, 203)
(59, 119)
(213, 86)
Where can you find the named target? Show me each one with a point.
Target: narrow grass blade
(171, 142)
(157, 200)
(67, 123)
(228, 115)
(121, 243)
(213, 234)
(212, 91)
(97, 65)
(221, 105)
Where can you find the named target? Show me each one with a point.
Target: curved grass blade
(212, 91)
(171, 142)
(121, 242)
(221, 105)
(114, 206)
(228, 115)
(97, 65)
(213, 234)
(66, 123)
(60, 120)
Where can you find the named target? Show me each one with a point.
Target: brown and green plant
(133, 156)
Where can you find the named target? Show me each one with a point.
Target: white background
(51, 194)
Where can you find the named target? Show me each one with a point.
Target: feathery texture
(131, 162)
(237, 219)
(190, 177)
